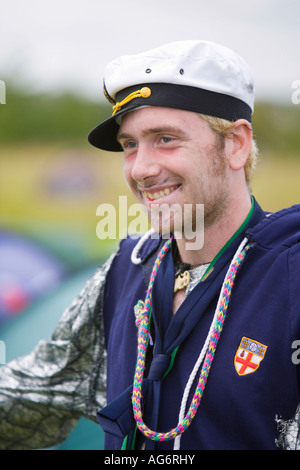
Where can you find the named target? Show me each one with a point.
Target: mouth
(153, 196)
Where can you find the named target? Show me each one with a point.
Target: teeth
(159, 194)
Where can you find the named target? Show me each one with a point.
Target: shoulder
(280, 228)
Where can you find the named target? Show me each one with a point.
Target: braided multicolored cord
(142, 311)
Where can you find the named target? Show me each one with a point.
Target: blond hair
(222, 127)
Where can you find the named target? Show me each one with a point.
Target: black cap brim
(104, 136)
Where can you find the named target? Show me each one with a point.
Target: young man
(198, 336)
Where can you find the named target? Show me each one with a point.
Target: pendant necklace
(186, 273)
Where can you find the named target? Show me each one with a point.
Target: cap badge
(144, 92)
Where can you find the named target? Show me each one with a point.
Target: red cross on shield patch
(249, 355)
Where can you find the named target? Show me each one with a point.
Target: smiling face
(173, 158)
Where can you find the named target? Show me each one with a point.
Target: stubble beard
(215, 200)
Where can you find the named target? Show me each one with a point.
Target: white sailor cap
(199, 76)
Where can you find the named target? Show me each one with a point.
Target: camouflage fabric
(289, 437)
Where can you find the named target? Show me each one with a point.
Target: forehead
(152, 117)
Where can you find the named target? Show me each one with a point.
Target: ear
(238, 144)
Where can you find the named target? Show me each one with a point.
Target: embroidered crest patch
(249, 355)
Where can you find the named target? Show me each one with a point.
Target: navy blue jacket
(246, 390)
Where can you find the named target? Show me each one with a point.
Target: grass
(51, 193)
(276, 183)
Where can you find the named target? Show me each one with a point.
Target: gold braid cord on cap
(145, 92)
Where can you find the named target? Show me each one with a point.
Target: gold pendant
(182, 281)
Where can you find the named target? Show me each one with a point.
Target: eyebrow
(154, 130)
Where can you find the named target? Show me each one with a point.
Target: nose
(146, 164)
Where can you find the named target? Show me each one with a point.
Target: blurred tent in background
(27, 273)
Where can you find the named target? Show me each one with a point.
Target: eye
(166, 139)
(129, 145)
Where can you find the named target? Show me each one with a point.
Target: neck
(215, 235)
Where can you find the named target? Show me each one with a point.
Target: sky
(64, 45)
